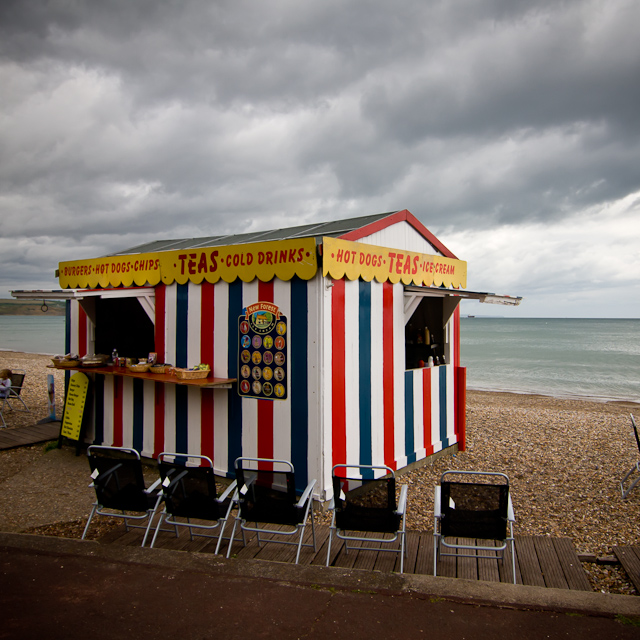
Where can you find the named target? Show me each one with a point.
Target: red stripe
(82, 332)
(388, 369)
(338, 381)
(426, 409)
(158, 418)
(265, 407)
(461, 407)
(117, 411)
(206, 355)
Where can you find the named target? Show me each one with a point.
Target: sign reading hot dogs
(282, 259)
(342, 258)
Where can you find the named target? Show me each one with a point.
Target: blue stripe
(364, 374)
(182, 311)
(234, 419)
(409, 434)
(443, 406)
(138, 414)
(98, 387)
(299, 382)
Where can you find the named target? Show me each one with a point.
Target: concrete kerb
(452, 589)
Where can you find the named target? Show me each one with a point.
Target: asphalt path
(70, 589)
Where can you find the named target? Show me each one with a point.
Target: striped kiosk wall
(350, 398)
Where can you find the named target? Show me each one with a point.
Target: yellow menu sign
(74, 406)
(342, 258)
(264, 260)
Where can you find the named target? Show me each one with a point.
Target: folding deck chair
(363, 503)
(120, 487)
(267, 495)
(477, 510)
(17, 381)
(634, 468)
(190, 493)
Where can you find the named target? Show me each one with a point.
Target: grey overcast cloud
(510, 128)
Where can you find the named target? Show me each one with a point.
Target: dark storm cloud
(125, 121)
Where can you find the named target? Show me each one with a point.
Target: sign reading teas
(282, 259)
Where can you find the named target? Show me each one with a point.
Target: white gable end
(401, 236)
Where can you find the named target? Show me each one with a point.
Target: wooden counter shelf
(201, 383)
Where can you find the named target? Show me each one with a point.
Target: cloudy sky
(510, 128)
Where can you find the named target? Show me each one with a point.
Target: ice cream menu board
(263, 352)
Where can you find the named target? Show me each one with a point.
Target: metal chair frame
(401, 510)
(152, 492)
(305, 503)
(635, 468)
(497, 551)
(171, 484)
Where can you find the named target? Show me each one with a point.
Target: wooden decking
(23, 436)
(540, 561)
(629, 558)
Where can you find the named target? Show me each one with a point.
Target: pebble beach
(564, 458)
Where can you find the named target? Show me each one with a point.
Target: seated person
(5, 383)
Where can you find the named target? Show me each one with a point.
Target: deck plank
(488, 565)
(548, 559)
(531, 573)
(467, 563)
(630, 560)
(572, 567)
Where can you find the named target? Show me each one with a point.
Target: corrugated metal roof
(317, 230)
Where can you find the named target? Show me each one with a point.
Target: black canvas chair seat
(476, 510)
(266, 495)
(363, 503)
(120, 487)
(635, 469)
(190, 493)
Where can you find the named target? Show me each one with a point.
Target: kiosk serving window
(425, 334)
(123, 324)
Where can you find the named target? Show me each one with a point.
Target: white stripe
(282, 408)
(326, 377)
(149, 390)
(171, 302)
(418, 414)
(435, 410)
(249, 405)
(352, 369)
(170, 417)
(315, 287)
(399, 363)
(194, 422)
(194, 324)
(221, 370)
(127, 412)
(377, 375)
(109, 400)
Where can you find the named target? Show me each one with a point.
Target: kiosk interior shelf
(202, 383)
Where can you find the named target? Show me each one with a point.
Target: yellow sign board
(74, 406)
(355, 260)
(264, 260)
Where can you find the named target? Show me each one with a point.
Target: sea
(598, 359)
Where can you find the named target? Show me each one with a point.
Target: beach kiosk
(328, 343)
